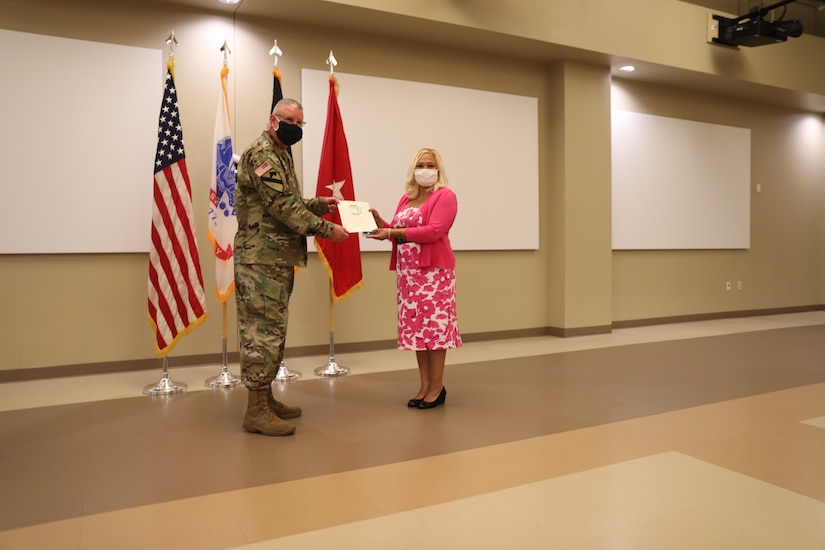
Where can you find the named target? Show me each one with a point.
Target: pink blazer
(438, 214)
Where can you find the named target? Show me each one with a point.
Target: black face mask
(289, 134)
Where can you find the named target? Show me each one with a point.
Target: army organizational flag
(343, 259)
(177, 303)
(223, 223)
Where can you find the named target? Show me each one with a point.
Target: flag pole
(225, 379)
(333, 134)
(165, 386)
(220, 187)
(332, 368)
(284, 374)
(287, 375)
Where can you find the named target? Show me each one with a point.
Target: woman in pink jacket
(425, 272)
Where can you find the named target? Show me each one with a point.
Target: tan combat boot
(284, 411)
(260, 418)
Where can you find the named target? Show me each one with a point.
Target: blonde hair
(412, 187)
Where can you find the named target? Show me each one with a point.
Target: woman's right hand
(380, 234)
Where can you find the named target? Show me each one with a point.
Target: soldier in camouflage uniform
(273, 222)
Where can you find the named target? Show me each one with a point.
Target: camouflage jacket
(273, 217)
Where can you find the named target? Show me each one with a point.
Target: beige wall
(90, 309)
(783, 267)
(579, 198)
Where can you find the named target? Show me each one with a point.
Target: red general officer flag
(177, 302)
(343, 259)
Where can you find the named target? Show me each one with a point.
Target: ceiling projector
(752, 29)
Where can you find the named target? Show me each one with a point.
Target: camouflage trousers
(262, 295)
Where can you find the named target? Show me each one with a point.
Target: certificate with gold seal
(356, 216)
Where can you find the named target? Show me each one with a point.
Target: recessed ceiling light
(229, 1)
(627, 69)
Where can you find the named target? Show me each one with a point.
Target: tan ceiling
(379, 23)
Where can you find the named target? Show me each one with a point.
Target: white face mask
(426, 177)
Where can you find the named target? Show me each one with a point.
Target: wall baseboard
(85, 369)
(718, 315)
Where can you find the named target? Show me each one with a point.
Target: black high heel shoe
(442, 397)
(413, 403)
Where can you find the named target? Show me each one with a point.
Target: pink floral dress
(427, 316)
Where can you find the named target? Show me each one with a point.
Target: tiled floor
(692, 436)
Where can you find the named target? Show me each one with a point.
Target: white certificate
(356, 216)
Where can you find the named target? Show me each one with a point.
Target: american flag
(177, 302)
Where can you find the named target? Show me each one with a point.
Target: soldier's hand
(332, 204)
(338, 234)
